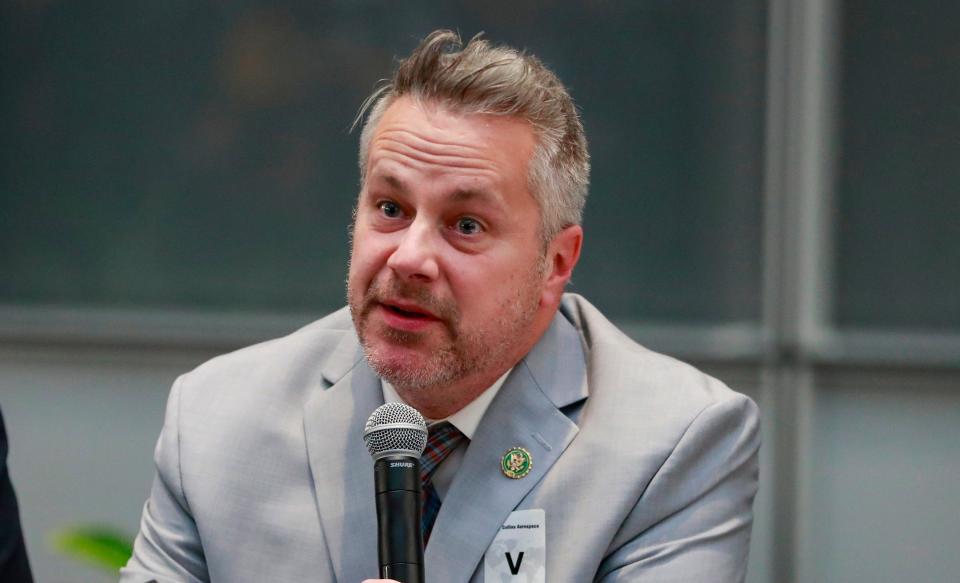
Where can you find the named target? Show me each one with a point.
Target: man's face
(446, 270)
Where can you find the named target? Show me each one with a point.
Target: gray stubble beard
(453, 362)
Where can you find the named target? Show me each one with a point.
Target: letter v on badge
(518, 553)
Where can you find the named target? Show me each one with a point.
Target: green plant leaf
(100, 546)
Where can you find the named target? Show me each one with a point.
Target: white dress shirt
(466, 420)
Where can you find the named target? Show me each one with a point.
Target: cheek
(484, 289)
(368, 261)
(363, 265)
(367, 251)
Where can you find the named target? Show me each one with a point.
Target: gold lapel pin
(516, 463)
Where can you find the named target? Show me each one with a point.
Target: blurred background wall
(774, 198)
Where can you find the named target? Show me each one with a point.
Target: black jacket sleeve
(14, 567)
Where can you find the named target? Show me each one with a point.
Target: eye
(390, 209)
(469, 226)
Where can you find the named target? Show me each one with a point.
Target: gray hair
(480, 78)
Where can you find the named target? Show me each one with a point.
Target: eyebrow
(394, 182)
(391, 181)
(469, 194)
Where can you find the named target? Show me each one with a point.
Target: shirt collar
(467, 419)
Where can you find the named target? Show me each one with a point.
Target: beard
(454, 354)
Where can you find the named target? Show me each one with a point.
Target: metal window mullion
(798, 251)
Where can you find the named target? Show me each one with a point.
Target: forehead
(424, 136)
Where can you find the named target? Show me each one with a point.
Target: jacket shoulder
(315, 355)
(647, 386)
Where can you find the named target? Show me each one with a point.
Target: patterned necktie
(443, 439)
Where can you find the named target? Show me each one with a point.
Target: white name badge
(518, 554)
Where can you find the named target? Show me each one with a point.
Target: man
(622, 464)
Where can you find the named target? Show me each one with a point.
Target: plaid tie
(443, 439)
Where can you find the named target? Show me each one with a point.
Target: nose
(415, 256)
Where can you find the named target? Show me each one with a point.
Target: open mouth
(406, 313)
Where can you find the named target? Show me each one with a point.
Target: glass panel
(898, 212)
(883, 452)
(196, 154)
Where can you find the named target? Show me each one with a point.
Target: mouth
(404, 316)
(407, 310)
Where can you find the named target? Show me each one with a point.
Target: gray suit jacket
(646, 468)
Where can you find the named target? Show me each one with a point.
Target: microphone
(395, 435)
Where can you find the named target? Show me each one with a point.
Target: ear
(562, 255)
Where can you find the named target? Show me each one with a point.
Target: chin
(391, 361)
(412, 369)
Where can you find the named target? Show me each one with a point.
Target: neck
(439, 402)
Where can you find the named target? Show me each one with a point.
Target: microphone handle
(399, 506)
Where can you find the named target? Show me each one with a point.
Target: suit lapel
(340, 464)
(526, 413)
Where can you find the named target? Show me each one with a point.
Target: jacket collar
(340, 464)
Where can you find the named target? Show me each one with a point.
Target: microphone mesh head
(395, 428)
